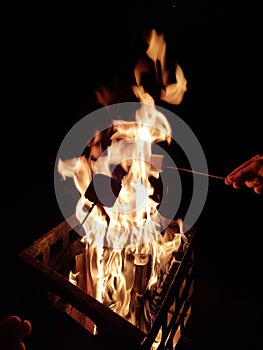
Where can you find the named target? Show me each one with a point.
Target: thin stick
(196, 172)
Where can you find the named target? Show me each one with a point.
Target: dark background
(53, 54)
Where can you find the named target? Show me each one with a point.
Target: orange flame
(128, 235)
(172, 93)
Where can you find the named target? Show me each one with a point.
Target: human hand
(249, 173)
(13, 332)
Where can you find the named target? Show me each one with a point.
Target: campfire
(117, 259)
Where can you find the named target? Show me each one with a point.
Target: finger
(26, 329)
(242, 167)
(237, 184)
(258, 185)
(16, 328)
(252, 183)
(249, 165)
(242, 176)
(258, 189)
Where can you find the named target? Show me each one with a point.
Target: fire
(171, 92)
(126, 239)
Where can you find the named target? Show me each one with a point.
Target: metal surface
(172, 314)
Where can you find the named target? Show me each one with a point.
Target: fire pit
(117, 266)
(169, 303)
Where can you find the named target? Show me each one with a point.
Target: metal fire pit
(53, 256)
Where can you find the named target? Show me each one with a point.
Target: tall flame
(127, 237)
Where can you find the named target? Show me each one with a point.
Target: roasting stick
(196, 172)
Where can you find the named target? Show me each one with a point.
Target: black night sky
(53, 55)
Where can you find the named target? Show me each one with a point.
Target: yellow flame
(157, 49)
(172, 93)
(121, 239)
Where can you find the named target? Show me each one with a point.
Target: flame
(171, 93)
(126, 238)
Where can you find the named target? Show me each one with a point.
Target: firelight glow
(129, 234)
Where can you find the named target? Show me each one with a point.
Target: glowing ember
(126, 245)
